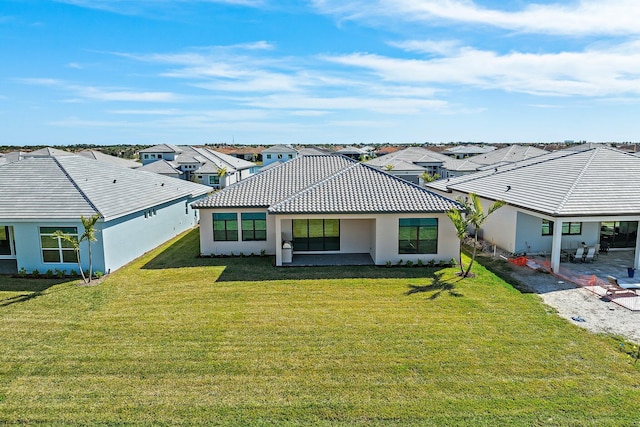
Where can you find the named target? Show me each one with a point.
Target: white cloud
(578, 18)
(102, 94)
(592, 72)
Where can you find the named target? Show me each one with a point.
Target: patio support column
(278, 222)
(636, 255)
(556, 246)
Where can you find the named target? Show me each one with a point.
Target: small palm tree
(472, 216)
(388, 168)
(73, 240)
(89, 235)
(427, 177)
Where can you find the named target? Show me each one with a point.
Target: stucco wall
(210, 247)
(129, 237)
(29, 251)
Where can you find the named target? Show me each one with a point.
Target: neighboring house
(199, 164)
(138, 211)
(313, 151)
(463, 151)
(411, 163)
(106, 158)
(251, 154)
(278, 153)
(356, 153)
(328, 205)
(558, 200)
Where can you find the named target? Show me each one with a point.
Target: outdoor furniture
(614, 287)
(590, 255)
(578, 256)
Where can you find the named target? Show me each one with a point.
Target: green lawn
(175, 339)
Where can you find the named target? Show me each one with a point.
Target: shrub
(35, 273)
(98, 274)
(399, 263)
(49, 274)
(431, 263)
(22, 272)
(263, 252)
(420, 263)
(453, 262)
(60, 274)
(73, 273)
(388, 264)
(409, 263)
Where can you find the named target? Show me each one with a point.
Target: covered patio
(313, 260)
(593, 275)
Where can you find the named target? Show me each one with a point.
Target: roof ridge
(592, 155)
(73, 182)
(316, 184)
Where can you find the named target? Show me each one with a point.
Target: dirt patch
(577, 304)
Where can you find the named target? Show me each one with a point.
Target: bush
(388, 264)
(35, 273)
(98, 274)
(420, 263)
(48, 274)
(431, 263)
(60, 274)
(399, 263)
(409, 263)
(73, 273)
(22, 272)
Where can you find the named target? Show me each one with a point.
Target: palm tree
(472, 216)
(73, 240)
(89, 235)
(388, 167)
(427, 177)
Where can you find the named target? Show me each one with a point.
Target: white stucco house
(559, 200)
(138, 211)
(328, 205)
(197, 164)
(278, 154)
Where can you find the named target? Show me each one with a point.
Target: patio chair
(578, 255)
(590, 255)
(614, 288)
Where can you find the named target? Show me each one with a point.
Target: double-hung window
(225, 227)
(418, 236)
(56, 249)
(254, 226)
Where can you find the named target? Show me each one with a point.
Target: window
(279, 156)
(55, 249)
(146, 156)
(254, 226)
(418, 236)
(214, 180)
(225, 227)
(316, 234)
(290, 156)
(268, 156)
(568, 228)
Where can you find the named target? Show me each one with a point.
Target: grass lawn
(175, 339)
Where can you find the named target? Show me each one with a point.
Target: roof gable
(325, 184)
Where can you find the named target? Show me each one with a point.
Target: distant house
(278, 153)
(558, 200)
(327, 205)
(162, 167)
(468, 150)
(138, 211)
(356, 153)
(198, 164)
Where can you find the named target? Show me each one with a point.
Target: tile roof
(280, 149)
(101, 157)
(326, 184)
(596, 181)
(163, 167)
(69, 186)
(163, 148)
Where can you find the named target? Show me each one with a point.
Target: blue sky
(318, 71)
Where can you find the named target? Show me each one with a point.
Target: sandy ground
(581, 306)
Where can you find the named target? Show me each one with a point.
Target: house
(278, 153)
(162, 167)
(356, 153)
(410, 163)
(558, 200)
(138, 211)
(199, 164)
(463, 151)
(327, 205)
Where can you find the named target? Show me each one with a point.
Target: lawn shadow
(28, 288)
(184, 253)
(437, 286)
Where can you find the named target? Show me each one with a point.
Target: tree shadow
(184, 253)
(437, 287)
(28, 288)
